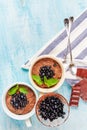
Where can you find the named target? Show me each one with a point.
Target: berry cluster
(46, 71)
(19, 100)
(51, 108)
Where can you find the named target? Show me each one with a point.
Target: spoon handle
(70, 50)
(66, 23)
(70, 25)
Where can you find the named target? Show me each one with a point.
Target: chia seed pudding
(52, 109)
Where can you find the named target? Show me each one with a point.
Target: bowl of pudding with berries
(19, 100)
(52, 109)
(46, 73)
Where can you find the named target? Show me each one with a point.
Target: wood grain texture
(24, 29)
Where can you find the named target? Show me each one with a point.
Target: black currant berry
(46, 71)
(19, 100)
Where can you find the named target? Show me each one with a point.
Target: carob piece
(79, 90)
(81, 73)
(75, 96)
(83, 85)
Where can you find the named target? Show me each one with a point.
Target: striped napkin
(57, 45)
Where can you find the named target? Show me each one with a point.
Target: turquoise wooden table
(25, 26)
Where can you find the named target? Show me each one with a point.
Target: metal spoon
(70, 25)
(66, 24)
(72, 66)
